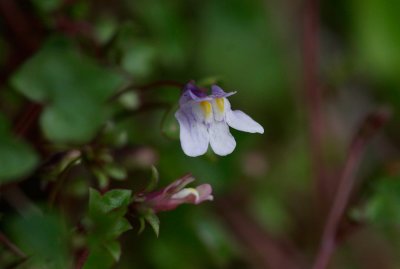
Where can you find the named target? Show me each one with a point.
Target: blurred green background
(62, 61)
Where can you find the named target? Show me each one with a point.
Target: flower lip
(218, 92)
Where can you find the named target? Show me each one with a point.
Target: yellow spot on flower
(220, 104)
(206, 107)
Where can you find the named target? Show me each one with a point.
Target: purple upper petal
(218, 92)
(192, 93)
(179, 184)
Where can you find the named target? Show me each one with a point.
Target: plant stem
(313, 96)
(152, 85)
(82, 258)
(10, 245)
(347, 180)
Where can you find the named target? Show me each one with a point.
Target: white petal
(221, 140)
(185, 193)
(242, 122)
(193, 134)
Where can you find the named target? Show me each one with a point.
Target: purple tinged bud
(176, 194)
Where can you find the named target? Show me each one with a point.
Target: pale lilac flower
(176, 194)
(205, 119)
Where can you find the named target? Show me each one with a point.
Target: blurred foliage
(44, 238)
(100, 74)
(383, 206)
(17, 157)
(58, 73)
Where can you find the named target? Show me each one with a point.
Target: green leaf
(140, 59)
(44, 238)
(142, 224)
(117, 198)
(73, 85)
(116, 172)
(129, 100)
(17, 158)
(102, 178)
(154, 222)
(384, 205)
(111, 200)
(61, 122)
(120, 226)
(377, 36)
(114, 248)
(105, 224)
(153, 179)
(99, 258)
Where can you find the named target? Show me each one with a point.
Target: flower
(205, 119)
(176, 194)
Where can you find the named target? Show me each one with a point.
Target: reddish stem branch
(347, 180)
(152, 85)
(83, 255)
(27, 119)
(264, 250)
(10, 245)
(312, 92)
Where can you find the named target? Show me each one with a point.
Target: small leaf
(95, 203)
(109, 201)
(154, 222)
(101, 177)
(114, 248)
(117, 198)
(383, 207)
(129, 100)
(116, 172)
(17, 158)
(208, 81)
(153, 179)
(142, 224)
(119, 227)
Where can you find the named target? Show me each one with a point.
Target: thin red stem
(347, 180)
(10, 245)
(83, 255)
(312, 92)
